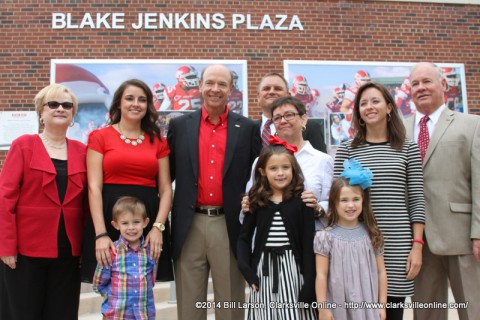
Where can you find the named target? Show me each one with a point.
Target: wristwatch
(160, 226)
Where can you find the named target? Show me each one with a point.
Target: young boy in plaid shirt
(127, 285)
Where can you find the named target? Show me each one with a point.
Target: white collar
(434, 116)
(307, 147)
(264, 119)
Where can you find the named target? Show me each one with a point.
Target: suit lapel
(193, 130)
(233, 133)
(41, 161)
(75, 169)
(446, 118)
(410, 127)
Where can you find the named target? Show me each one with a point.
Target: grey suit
(451, 171)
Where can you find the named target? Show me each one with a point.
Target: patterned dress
(353, 273)
(282, 263)
(397, 201)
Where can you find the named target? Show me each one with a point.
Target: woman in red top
(43, 187)
(128, 158)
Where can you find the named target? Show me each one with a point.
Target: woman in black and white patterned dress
(397, 192)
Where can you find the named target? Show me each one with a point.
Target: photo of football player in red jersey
(361, 77)
(235, 101)
(403, 98)
(453, 91)
(337, 94)
(301, 90)
(158, 90)
(185, 95)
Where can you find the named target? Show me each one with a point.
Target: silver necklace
(134, 143)
(62, 146)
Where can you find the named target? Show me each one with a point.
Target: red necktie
(266, 133)
(423, 137)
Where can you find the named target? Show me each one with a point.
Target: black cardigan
(300, 226)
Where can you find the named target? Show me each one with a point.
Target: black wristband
(98, 236)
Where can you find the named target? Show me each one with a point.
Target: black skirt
(111, 192)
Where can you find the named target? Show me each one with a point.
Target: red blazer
(29, 204)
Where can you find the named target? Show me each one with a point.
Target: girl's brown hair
(367, 216)
(395, 127)
(261, 192)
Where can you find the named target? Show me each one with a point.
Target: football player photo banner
(174, 84)
(328, 89)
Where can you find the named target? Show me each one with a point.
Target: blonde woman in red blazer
(42, 213)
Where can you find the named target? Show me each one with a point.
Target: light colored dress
(353, 275)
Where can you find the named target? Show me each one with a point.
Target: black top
(64, 246)
(300, 226)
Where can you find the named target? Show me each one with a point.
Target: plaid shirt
(127, 285)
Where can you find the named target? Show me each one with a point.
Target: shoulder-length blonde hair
(51, 91)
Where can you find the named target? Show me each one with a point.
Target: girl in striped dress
(281, 268)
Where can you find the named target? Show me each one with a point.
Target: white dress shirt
(431, 123)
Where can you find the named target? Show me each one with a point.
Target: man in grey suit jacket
(451, 169)
(212, 151)
(272, 86)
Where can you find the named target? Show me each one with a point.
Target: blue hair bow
(356, 174)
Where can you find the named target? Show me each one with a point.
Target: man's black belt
(210, 211)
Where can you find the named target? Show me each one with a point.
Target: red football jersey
(235, 101)
(452, 97)
(178, 98)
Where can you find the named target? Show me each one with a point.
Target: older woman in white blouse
(289, 117)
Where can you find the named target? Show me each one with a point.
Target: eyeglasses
(288, 116)
(55, 105)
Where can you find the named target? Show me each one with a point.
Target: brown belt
(210, 211)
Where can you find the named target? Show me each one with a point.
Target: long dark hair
(261, 191)
(395, 127)
(148, 123)
(367, 216)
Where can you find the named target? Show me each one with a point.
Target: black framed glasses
(56, 104)
(288, 116)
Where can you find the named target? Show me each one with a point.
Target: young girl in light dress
(351, 277)
(281, 268)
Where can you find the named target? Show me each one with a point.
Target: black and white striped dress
(290, 280)
(396, 174)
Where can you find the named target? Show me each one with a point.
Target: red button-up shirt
(212, 142)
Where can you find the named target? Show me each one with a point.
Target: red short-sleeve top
(127, 164)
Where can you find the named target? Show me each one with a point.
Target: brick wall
(333, 30)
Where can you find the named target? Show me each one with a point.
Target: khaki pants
(207, 249)
(431, 285)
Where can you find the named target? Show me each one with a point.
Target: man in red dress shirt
(212, 151)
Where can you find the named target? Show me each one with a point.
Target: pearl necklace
(44, 138)
(134, 143)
